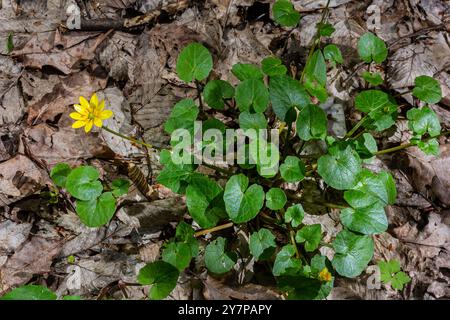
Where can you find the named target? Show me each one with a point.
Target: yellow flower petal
(84, 103)
(80, 109)
(94, 100)
(77, 116)
(88, 126)
(105, 114)
(101, 106)
(98, 122)
(78, 124)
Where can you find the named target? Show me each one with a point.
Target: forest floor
(133, 68)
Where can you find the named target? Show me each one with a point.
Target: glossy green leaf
(352, 253)
(285, 262)
(242, 203)
(310, 235)
(59, 174)
(332, 53)
(391, 273)
(273, 66)
(252, 93)
(427, 89)
(312, 123)
(366, 220)
(255, 121)
(293, 169)
(366, 146)
(370, 188)
(217, 260)
(182, 116)
(245, 71)
(423, 121)
(285, 14)
(262, 244)
(286, 93)
(340, 168)
(294, 215)
(315, 89)
(316, 68)
(199, 197)
(380, 107)
(83, 184)
(300, 287)
(97, 212)
(216, 91)
(374, 79)
(30, 292)
(371, 48)
(120, 187)
(162, 276)
(194, 63)
(275, 199)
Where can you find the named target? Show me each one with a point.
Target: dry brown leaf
(63, 96)
(13, 235)
(60, 51)
(35, 257)
(19, 177)
(218, 290)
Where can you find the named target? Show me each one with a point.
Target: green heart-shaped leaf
(162, 276)
(194, 63)
(97, 212)
(273, 66)
(285, 14)
(340, 168)
(371, 48)
(216, 91)
(427, 89)
(255, 121)
(374, 79)
(216, 259)
(423, 121)
(182, 116)
(242, 204)
(252, 93)
(366, 220)
(310, 235)
(59, 174)
(312, 123)
(285, 263)
(120, 187)
(262, 244)
(294, 215)
(177, 254)
(293, 169)
(286, 93)
(352, 253)
(275, 199)
(83, 183)
(332, 53)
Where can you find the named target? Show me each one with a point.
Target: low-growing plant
(271, 207)
(95, 201)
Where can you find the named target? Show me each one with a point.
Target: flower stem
(211, 230)
(407, 145)
(129, 138)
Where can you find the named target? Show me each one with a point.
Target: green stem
(130, 139)
(407, 145)
(316, 39)
(356, 127)
(334, 206)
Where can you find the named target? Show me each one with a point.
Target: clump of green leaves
(391, 273)
(263, 203)
(95, 204)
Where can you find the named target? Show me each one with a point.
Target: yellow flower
(90, 113)
(325, 275)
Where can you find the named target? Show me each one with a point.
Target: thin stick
(211, 230)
